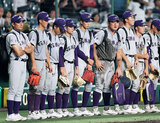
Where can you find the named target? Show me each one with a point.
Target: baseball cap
(43, 16)
(113, 18)
(139, 23)
(60, 22)
(69, 22)
(156, 23)
(86, 17)
(17, 19)
(127, 14)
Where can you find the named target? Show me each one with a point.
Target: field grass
(94, 119)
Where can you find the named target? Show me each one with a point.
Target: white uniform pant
(51, 81)
(17, 76)
(82, 67)
(103, 78)
(70, 74)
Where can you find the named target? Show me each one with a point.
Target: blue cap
(127, 14)
(43, 16)
(86, 17)
(139, 23)
(16, 19)
(113, 18)
(156, 23)
(69, 22)
(61, 23)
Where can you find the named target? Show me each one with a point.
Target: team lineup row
(68, 52)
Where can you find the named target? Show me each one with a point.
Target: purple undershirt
(149, 60)
(61, 58)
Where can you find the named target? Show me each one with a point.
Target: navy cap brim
(62, 28)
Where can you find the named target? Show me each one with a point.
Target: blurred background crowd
(146, 10)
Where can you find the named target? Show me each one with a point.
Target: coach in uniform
(39, 57)
(18, 46)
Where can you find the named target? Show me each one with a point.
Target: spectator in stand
(95, 23)
(47, 5)
(148, 13)
(52, 16)
(156, 9)
(68, 8)
(148, 23)
(137, 8)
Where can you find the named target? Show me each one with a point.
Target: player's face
(114, 25)
(18, 26)
(44, 23)
(141, 29)
(70, 29)
(130, 20)
(57, 30)
(85, 24)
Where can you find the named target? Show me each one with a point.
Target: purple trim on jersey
(65, 99)
(37, 102)
(81, 54)
(43, 99)
(149, 60)
(76, 56)
(127, 96)
(74, 98)
(136, 99)
(96, 97)
(106, 98)
(58, 101)
(132, 97)
(61, 57)
(16, 107)
(91, 52)
(10, 105)
(154, 98)
(145, 97)
(31, 102)
(85, 99)
(50, 100)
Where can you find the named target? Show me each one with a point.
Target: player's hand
(99, 65)
(50, 68)
(34, 69)
(153, 69)
(145, 72)
(77, 71)
(118, 72)
(63, 71)
(28, 48)
(90, 61)
(136, 63)
(89, 67)
(129, 65)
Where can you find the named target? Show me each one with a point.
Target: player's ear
(81, 22)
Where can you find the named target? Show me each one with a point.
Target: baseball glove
(63, 82)
(131, 74)
(34, 79)
(88, 76)
(143, 81)
(154, 75)
(78, 81)
(114, 79)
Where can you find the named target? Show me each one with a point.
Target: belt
(141, 61)
(71, 62)
(155, 58)
(40, 59)
(129, 55)
(107, 60)
(18, 59)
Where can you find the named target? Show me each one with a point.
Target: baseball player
(52, 78)
(18, 46)
(127, 38)
(152, 41)
(68, 61)
(85, 61)
(142, 58)
(39, 39)
(105, 67)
